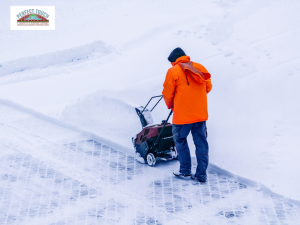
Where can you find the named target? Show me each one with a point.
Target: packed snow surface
(107, 57)
(53, 173)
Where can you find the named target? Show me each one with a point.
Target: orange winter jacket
(185, 89)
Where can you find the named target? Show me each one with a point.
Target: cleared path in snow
(50, 174)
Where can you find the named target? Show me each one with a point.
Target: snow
(55, 58)
(92, 73)
(52, 173)
(146, 115)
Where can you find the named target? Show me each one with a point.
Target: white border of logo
(16, 10)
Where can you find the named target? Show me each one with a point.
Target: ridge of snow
(83, 52)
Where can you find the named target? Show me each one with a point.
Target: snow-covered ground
(107, 57)
(53, 173)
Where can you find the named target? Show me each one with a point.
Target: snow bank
(55, 58)
(105, 116)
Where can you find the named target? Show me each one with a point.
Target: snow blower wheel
(151, 159)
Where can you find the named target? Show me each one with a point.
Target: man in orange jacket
(185, 91)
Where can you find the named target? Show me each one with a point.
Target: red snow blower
(155, 140)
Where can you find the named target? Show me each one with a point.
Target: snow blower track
(50, 174)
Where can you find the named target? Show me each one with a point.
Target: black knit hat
(175, 54)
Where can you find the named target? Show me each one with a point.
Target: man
(185, 91)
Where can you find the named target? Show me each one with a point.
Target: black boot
(178, 174)
(200, 179)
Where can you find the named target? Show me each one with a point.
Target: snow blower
(155, 140)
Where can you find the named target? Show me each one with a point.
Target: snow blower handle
(150, 101)
(166, 121)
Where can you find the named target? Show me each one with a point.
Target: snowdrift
(55, 58)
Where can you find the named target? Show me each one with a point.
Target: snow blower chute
(155, 140)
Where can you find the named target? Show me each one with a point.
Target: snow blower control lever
(155, 104)
(155, 140)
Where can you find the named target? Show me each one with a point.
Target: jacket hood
(187, 66)
(200, 77)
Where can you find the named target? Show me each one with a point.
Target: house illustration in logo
(32, 18)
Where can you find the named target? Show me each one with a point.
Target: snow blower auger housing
(155, 140)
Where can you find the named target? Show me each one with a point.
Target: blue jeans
(180, 133)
